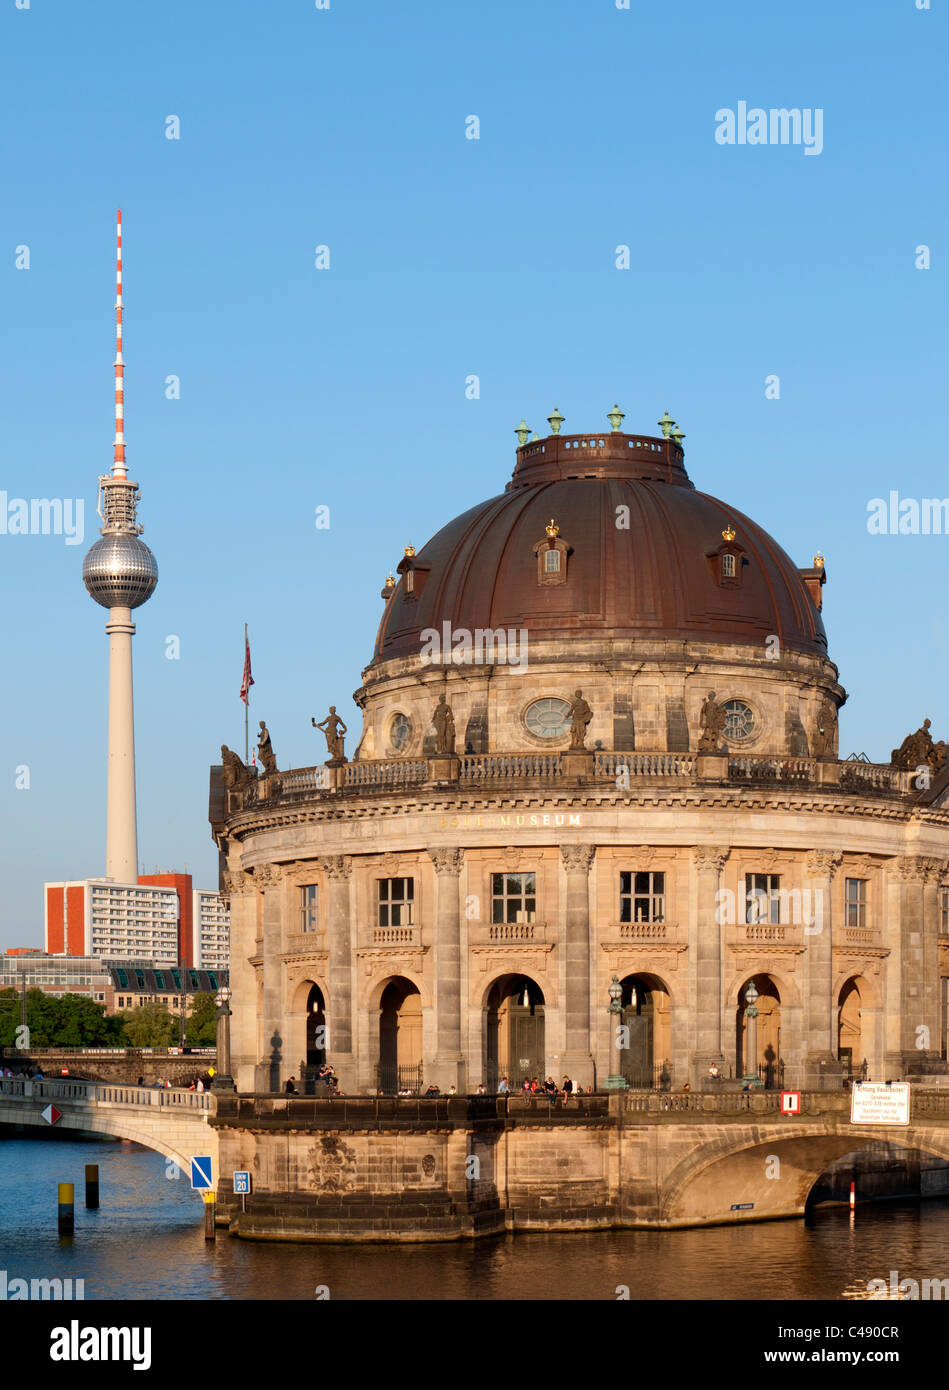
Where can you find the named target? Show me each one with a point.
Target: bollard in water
(92, 1186)
(209, 1210)
(67, 1208)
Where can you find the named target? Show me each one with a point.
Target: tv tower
(120, 572)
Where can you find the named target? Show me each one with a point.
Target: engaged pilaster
(338, 869)
(448, 1067)
(822, 1069)
(577, 1057)
(705, 964)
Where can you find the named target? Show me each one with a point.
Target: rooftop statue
(236, 775)
(824, 743)
(917, 750)
(712, 725)
(444, 722)
(580, 714)
(333, 729)
(265, 751)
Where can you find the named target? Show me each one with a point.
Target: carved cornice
(823, 863)
(822, 802)
(448, 861)
(648, 958)
(710, 858)
(267, 875)
(336, 866)
(531, 955)
(393, 958)
(765, 955)
(578, 859)
(298, 965)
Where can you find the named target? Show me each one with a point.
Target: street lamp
(615, 1081)
(223, 1081)
(751, 1077)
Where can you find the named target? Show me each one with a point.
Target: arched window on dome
(552, 555)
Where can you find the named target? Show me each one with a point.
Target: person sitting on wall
(432, 1091)
(290, 1087)
(550, 1089)
(503, 1088)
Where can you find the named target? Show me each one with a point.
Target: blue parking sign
(241, 1184)
(201, 1180)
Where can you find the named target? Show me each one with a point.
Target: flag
(248, 680)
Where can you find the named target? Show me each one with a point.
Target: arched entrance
(514, 1032)
(854, 1029)
(400, 1037)
(315, 1029)
(645, 1060)
(767, 1063)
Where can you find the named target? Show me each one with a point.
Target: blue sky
(448, 257)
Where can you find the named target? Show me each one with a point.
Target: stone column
(243, 978)
(273, 1065)
(705, 965)
(577, 1056)
(822, 1069)
(338, 869)
(918, 879)
(935, 873)
(447, 1068)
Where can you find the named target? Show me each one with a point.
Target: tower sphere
(120, 571)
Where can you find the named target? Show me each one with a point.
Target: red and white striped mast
(120, 573)
(118, 451)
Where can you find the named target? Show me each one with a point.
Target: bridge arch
(768, 1170)
(178, 1132)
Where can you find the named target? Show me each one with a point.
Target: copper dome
(657, 579)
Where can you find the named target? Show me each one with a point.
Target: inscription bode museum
(597, 738)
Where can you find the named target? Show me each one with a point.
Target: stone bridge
(173, 1122)
(381, 1168)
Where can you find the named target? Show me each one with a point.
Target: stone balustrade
(516, 769)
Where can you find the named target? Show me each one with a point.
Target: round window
(548, 718)
(399, 731)
(740, 721)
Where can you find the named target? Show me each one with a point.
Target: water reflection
(146, 1241)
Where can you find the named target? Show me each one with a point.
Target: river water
(147, 1241)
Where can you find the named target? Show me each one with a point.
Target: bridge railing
(105, 1093)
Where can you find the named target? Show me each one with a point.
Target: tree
(69, 1020)
(202, 1021)
(150, 1025)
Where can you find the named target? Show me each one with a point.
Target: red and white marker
(790, 1102)
(51, 1114)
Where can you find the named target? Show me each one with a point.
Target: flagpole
(246, 712)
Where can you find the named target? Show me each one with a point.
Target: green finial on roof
(678, 436)
(523, 432)
(616, 418)
(555, 421)
(666, 424)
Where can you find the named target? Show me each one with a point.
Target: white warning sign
(874, 1103)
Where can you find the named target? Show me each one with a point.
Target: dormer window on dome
(552, 555)
(414, 573)
(727, 560)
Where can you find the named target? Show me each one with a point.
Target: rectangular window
(762, 897)
(642, 897)
(396, 902)
(944, 912)
(552, 561)
(728, 567)
(944, 1013)
(309, 907)
(513, 897)
(856, 899)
